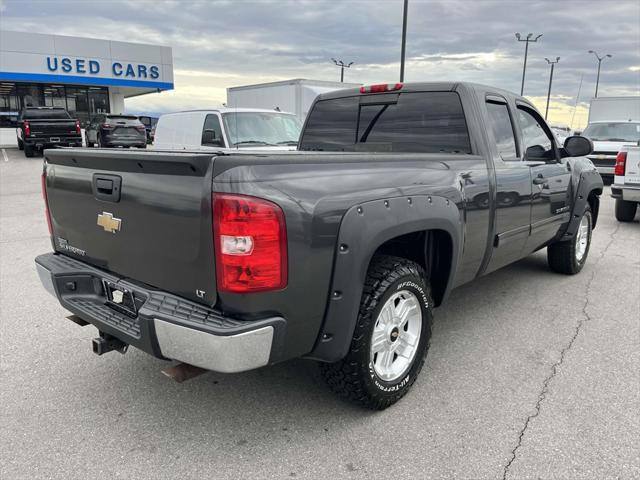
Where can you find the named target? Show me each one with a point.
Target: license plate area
(54, 139)
(120, 299)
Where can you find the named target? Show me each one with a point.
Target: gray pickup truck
(338, 252)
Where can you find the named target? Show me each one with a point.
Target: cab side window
(538, 143)
(212, 132)
(502, 129)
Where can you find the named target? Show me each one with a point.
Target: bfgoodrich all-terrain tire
(391, 337)
(569, 257)
(625, 210)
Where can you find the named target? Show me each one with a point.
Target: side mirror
(577, 146)
(535, 152)
(209, 138)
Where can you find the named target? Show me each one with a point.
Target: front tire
(391, 337)
(625, 210)
(569, 257)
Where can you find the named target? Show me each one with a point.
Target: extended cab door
(550, 200)
(513, 185)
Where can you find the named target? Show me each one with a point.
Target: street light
(342, 66)
(526, 51)
(404, 39)
(553, 64)
(599, 62)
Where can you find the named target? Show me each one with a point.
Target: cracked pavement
(530, 374)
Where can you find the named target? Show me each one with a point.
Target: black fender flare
(363, 229)
(590, 181)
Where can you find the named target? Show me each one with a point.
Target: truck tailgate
(145, 216)
(41, 128)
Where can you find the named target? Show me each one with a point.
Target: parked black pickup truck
(43, 127)
(338, 252)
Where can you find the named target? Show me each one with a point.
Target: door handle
(539, 180)
(106, 187)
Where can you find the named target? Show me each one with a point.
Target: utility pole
(404, 39)
(553, 64)
(342, 66)
(600, 58)
(526, 51)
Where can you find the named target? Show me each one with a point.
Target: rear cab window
(421, 122)
(48, 113)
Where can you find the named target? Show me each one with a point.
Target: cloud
(218, 44)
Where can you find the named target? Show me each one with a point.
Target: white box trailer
(615, 109)
(295, 96)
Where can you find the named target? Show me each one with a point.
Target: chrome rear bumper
(165, 326)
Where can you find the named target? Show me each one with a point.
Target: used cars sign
(84, 66)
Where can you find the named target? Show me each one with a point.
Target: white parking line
(4, 154)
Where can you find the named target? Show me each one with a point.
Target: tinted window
(613, 132)
(115, 118)
(502, 130)
(417, 122)
(58, 114)
(537, 142)
(212, 122)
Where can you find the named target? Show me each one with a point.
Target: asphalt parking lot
(530, 375)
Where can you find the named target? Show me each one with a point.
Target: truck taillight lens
(46, 202)
(621, 162)
(250, 243)
(27, 129)
(78, 128)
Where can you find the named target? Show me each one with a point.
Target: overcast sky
(219, 44)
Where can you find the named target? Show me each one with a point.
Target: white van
(227, 129)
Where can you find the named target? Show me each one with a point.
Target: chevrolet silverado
(338, 252)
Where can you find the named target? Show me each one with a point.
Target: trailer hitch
(106, 343)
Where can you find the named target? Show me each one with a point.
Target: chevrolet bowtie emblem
(107, 221)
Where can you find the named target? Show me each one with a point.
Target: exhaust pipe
(183, 372)
(106, 343)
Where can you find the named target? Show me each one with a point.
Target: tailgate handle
(107, 187)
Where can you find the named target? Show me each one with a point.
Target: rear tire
(20, 145)
(625, 210)
(391, 337)
(29, 151)
(569, 257)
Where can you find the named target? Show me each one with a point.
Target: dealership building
(84, 75)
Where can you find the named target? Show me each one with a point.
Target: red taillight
(621, 162)
(46, 202)
(27, 129)
(78, 129)
(250, 243)
(381, 87)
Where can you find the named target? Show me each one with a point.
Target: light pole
(342, 66)
(553, 64)
(404, 39)
(526, 51)
(599, 62)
